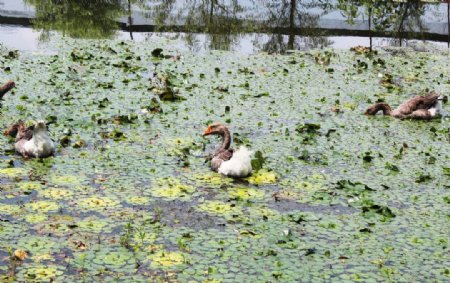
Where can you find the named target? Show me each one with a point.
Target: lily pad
(166, 259)
(13, 172)
(262, 177)
(245, 193)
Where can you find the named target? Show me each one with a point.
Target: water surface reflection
(272, 26)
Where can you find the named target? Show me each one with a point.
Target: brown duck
(419, 107)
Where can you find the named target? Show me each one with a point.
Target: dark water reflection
(274, 26)
(78, 19)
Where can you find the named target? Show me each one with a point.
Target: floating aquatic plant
(35, 218)
(262, 177)
(172, 189)
(40, 273)
(138, 200)
(217, 207)
(56, 193)
(246, 194)
(28, 186)
(13, 172)
(66, 180)
(166, 259)
(43, 206)
(9, 209)
(96, 203)
(93, 225)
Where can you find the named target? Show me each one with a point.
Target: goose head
(372, 110)
(40, 127)
(216, 129)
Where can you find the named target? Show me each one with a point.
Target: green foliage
(385, 15)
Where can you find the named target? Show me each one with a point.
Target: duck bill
(207, 131)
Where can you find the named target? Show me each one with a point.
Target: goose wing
(418, 102)
(219, 157)
(421, 114)
(24, 133)
(19, 131)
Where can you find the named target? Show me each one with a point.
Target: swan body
(34, 141)
(419, 107)
(226, 161)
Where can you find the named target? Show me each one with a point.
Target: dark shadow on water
(292, 205)
(183, 214)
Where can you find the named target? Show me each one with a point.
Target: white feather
(436, 110)
(40, 145)
(239, 165)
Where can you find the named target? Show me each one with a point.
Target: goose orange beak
(207, 131)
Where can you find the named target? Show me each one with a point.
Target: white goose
(226, 161)
(34, 141)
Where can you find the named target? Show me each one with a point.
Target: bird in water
(32, 141)
(6, 87)
(419, 107)
(226, 161)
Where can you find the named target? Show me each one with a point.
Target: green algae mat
(335, 196)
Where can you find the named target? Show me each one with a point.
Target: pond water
(241, 26)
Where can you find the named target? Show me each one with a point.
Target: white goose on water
(32, 141)
(226, 161)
